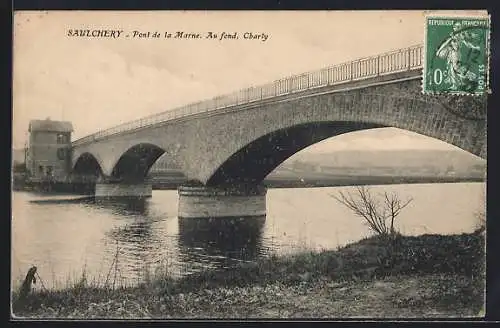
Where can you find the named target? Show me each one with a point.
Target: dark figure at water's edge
(26, 286)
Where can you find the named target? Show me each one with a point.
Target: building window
(61, 153)
(61, 138)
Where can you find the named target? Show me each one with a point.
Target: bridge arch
(88, 164)
(134, 164)
(87, 169)
(251, 163)
(460, 123)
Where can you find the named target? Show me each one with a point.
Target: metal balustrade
(387, 63)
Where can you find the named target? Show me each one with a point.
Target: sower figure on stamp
(459, 74)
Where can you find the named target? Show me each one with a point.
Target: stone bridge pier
(233, 201)
(196, 201)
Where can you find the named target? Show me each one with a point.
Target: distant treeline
(334, 181)
(362, 180)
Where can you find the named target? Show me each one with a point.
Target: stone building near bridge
(48, 155)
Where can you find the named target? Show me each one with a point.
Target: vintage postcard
(249, 164)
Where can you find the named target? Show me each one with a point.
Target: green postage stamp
(456, 55)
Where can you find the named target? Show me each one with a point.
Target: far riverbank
(172, 182)
(332, 181)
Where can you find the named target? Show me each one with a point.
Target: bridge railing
(363, 68)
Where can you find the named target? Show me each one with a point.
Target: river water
(120, 241)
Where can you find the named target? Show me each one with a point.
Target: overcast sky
(98, 83)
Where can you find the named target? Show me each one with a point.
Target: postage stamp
(456, 55)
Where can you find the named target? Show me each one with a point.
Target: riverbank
(325, 180)
(174, 182)
(428, 275)
(346, 180)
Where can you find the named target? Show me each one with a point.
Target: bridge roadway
(227, 145)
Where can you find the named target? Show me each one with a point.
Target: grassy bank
(429, 275)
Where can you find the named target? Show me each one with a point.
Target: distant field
(333, 181)
(318, 180)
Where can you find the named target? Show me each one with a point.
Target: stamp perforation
(457, 70)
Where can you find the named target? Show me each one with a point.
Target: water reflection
(138, 233)
(135, 242)
(220, 242)
(64, 235)
(124, 205)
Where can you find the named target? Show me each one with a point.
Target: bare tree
(379, 213)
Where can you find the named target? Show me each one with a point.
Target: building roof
(49, 125)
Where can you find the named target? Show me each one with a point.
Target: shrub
(379, 215)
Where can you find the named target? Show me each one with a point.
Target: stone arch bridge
(227, 145)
